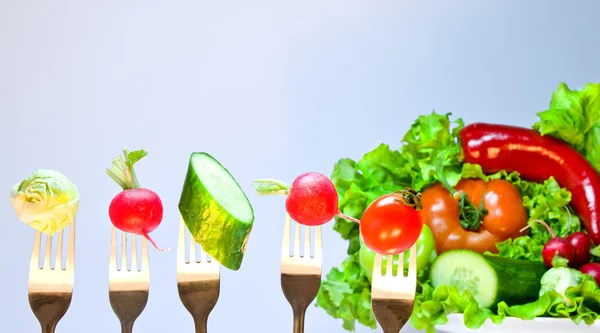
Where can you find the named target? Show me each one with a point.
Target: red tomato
(390, 226)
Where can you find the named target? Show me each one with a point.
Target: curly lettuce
(574, 117)
(45, 200)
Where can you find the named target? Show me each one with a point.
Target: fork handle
(201, 324)
(127, 327)
(299, 320)
(48, 328)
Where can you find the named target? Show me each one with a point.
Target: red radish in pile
(135, 210)
(575, 248)
(582, 244)
(311, 199)
(592, 269)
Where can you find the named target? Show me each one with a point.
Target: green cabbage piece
(559, 279)
(46, 200)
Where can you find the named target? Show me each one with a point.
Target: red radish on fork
(136, 210)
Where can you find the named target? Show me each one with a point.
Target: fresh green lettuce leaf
(432, 145)
(346, 294)
(574, 117)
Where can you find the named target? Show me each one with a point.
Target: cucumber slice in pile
(216, 210)
(490, 279)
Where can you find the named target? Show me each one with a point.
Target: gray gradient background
(271, 89)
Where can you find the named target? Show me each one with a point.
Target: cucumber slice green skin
(490, 279)
(220, 233)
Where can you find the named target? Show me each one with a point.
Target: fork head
(296, 262)
(128, 286)
(300, 272)
(194, 270)
(54, 275)
(393, 293)
(128, 275)
(198, 282)
(51, 285)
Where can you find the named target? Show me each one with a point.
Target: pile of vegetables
(511, 217)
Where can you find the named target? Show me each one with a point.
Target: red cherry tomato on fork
(389, 225)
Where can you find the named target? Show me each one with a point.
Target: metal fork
(392, 297)
(128, 288)
(51, 289)
(198, 283)
(300, 275)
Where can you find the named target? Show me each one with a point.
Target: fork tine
(35, 252)
(377, 265)
(192, 250)
(297, 240)
(412, 263)
(71, 250)
(59, 251)
(318, 252)
(181, 243)
(134, 252)
(389, 271)
(285, 247)
(307, 241)
(48, 252)
(145, 264)
(124, 251)
(203, 256)
(113, 250)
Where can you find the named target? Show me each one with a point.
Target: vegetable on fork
(136, 210)
(311, 199)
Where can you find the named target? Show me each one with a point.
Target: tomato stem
(271, 187)
(347, 217)
(410, 197)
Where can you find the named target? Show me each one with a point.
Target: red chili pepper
(536, 158)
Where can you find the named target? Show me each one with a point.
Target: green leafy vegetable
(559, 279)
(574, 116)
(46, 200)
(346, 294)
